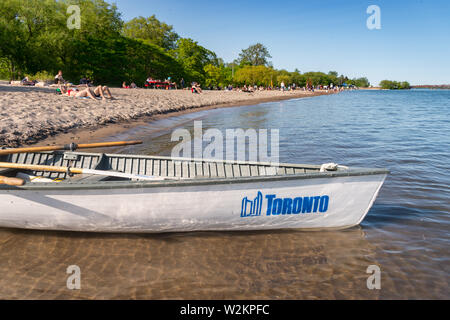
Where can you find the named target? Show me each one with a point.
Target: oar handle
(17, 182)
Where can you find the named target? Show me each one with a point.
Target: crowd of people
(86, 89)
(283, 87)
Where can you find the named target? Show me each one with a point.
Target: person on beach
(87, 93)
(26, 82)
(196, 88)
(182, 83)
(59, 78)
(124, 86)
(85, 82)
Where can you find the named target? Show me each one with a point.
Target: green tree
(28, 32)
(144, 59)
(217, 76)
(153, 31)
(284, 76)
(34, 35)
(361, 82)
(394, 85)
(405, 85)
(194, 58)
(333, 74)
(319, 78)
(256, 75)
(255, 55)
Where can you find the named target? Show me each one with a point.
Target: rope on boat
(331, 167)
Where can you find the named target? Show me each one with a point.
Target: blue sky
(413, 43)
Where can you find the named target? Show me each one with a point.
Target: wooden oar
(12, 181)
(78, 171)
(71, 147)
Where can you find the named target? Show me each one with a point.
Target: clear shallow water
(406, 233)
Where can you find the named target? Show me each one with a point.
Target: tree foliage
(193, 57)
(256, 75)
(217, 76)
(255, 55)
(267, 76)
(34, 37)
(152, 30)
(394, 85)
(361, 82)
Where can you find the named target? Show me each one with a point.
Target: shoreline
(108, 124)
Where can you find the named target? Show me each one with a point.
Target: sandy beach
(30, 114)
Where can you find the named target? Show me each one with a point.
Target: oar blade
(71, 147)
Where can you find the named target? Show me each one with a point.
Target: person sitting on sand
(84, 82)
(196, 88)
(124, 86)
(59, 78)
(87, 93)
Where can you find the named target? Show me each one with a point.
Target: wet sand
(208, 266)
(257, 265)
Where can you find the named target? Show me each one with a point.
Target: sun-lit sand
(29, 114)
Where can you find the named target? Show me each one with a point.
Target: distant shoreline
(371, 88)
(38, 116)
(442, 86)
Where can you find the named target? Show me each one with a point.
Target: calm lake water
(406, 233)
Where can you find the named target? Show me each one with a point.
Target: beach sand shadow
(25, 89)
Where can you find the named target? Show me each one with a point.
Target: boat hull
(328, 202)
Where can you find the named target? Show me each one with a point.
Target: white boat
(190, 195)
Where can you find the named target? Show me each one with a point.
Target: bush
(4, 70)
(42, 76)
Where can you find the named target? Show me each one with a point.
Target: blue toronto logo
(283, 206)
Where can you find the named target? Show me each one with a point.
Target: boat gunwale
(170, 183)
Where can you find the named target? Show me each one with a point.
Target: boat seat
(100, 165)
